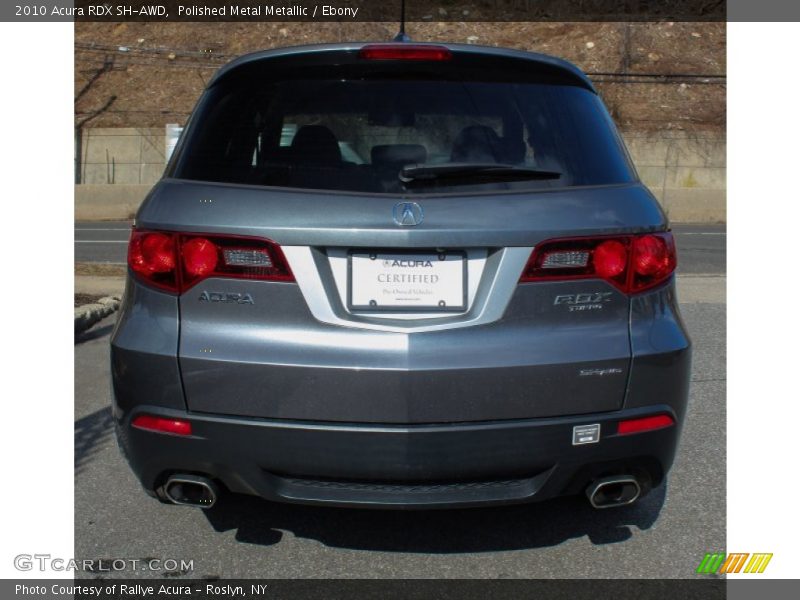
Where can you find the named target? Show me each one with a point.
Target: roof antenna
(401, 35)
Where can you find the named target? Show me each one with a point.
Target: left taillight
(175, 262)
(153, 257)
(632, 263)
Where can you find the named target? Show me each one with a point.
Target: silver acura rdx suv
(400, 275)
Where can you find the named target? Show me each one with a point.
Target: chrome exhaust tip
(613, 491)
(191, 490)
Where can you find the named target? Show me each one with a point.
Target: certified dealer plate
(407, 281)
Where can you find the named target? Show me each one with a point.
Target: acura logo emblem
(407, 214)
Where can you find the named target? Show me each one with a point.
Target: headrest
(392, 154)
(477, 143)
(316, 144)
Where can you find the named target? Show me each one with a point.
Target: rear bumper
(462, 444)
(421, 466)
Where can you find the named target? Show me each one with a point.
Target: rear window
(357, 134)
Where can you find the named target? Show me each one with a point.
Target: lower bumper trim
(403, 494)
(420, 466)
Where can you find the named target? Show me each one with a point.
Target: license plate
(415, 281)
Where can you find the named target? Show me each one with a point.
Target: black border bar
(710, 588)
(369, 10)
(416, 10)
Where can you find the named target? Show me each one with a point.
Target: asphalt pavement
(102, 241)
(664, 535)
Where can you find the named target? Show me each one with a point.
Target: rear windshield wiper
(456, 173)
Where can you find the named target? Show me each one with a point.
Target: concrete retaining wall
(122, 155)
(686, 172)
(108, 202)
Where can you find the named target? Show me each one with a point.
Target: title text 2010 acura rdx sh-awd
(400, 275)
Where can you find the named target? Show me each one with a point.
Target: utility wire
(209, 55)
(604, 77)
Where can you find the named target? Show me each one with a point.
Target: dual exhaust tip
(191, 490)
(614, 491)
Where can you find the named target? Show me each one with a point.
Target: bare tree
(108, 65)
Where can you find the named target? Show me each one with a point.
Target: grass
(101, 269)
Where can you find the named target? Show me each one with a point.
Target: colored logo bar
(736, 562)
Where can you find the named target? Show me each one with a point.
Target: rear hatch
(403, 200)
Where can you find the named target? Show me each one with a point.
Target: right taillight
(176, 261)
(632, 263)
(653, 259)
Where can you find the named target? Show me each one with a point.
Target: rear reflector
(644, 424)
(404, 52)
(163, 425)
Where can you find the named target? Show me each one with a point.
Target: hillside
(653, 76)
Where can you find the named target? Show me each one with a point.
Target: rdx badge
(586, 301)
(226, 297)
